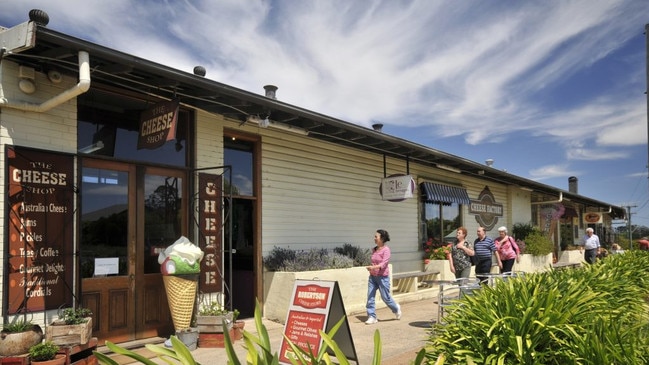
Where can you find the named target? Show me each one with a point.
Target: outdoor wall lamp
(26, 83)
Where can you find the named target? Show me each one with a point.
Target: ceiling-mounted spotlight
(92, 148)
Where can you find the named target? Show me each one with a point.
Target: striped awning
(437, 193)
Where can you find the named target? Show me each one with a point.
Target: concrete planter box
(570, 257)
(530, 263)
(278, 287)
(213, 324)
(441, 266)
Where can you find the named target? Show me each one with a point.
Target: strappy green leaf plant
(597, 314)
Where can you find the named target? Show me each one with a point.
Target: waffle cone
(181, 295)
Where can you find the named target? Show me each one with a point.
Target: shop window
(108, 126)
(441, 207)
(440, 222)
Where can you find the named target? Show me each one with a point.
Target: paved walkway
(400, 339)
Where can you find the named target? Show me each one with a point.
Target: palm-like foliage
(594, 315)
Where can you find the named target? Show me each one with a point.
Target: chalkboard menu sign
(39, 219)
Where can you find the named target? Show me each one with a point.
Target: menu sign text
(315, 306)
(39, 220)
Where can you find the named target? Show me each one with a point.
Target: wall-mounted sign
(158, 125)
(592, 217)
(485, 209)
(39, 218)
(315, 306)
(396, 188)
(209, 218)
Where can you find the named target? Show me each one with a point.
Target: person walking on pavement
(461, 252)
(484, 247)
(590, 243)
(507, 249)
(380, 278)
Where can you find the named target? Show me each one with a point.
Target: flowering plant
(440, 253)
(435, 250)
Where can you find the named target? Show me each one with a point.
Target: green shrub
(285, 259)
(538, 244)
(43, 351)
(597, 314)
(18, 326)
(75, 316)
(275, 260)
(520, 231)
(361, 257)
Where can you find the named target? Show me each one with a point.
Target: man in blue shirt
(590, 244)
(484, 246)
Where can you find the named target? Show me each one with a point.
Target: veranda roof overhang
(114, 68)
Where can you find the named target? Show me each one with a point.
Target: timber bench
(566, 265)
(409, 282)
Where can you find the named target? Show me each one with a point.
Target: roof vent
(377, 127)
(489, 162)
(271, 91)
(199, 71)
(39, 17)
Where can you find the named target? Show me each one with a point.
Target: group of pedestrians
(462, 256)
(504, 247)
(481, 252)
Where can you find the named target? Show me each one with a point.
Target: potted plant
(74, 326)
(75, 316)
(46, 353)
(237, 326)
(210, 320)
(16, 338)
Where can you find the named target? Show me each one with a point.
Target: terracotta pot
(237, 330)
(18, 343)
(58, 360)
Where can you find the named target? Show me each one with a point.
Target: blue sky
(547, 89)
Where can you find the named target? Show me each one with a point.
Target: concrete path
(400, 339)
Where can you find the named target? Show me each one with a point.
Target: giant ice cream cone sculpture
(180, 266)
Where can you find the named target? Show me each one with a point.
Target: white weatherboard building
(108, 158)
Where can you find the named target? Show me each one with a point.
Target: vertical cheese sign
(315, 306)
(209, 214)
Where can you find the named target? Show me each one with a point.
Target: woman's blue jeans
(382, 284)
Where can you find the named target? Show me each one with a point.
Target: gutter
(81, 87)
(551, 201)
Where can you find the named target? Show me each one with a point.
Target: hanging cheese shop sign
(396, 188)
(158, 125)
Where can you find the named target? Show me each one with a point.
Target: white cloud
(552, 171)
(566, 74)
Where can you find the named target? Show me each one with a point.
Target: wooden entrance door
(128, 214)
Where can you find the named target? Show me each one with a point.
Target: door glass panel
(104, 217)
(238, 154)
(162, 217)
